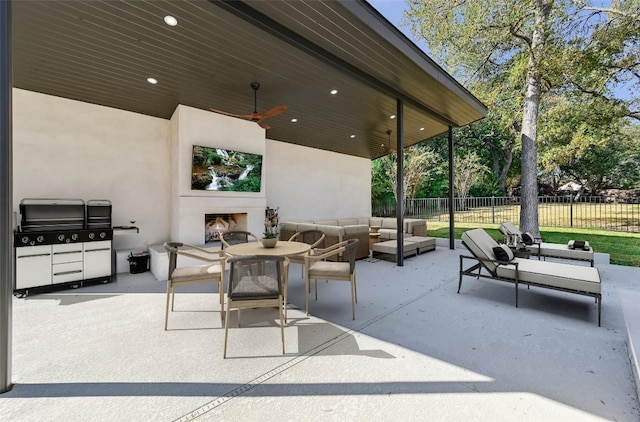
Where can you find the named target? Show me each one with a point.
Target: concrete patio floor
(416, 351)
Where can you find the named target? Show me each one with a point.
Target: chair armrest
(330, 251)
(495, 261)
(220, 256)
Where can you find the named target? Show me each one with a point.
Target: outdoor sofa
(341, 229)
(548, 250)
(578, 279)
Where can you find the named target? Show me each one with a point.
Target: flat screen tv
(217, 169)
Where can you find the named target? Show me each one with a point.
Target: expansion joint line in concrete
(298, 359)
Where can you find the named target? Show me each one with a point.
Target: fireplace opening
(217, 224)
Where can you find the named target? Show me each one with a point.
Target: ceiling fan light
(170, 20)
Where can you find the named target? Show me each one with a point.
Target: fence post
(493, 209)
(570, 210)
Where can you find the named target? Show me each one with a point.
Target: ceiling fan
(387, 148)
(255, 116)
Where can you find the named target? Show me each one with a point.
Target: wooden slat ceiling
(102, 52)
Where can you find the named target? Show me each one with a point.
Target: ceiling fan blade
(272, 112)
(240, 116)
(263, 124)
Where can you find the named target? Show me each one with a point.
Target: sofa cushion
(289, 226)
(375, 221)
(356, 228)
(306, 226)
(326, 222)
(388, 233)
(331, 230)
(364, 221)
(348, 222)
(389, 223)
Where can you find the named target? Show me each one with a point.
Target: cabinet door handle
(68, 272)
(34, 256)
(66, 252)
(98, 250)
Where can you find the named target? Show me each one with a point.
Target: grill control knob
(103, 235)
(32, 243)
(25, 240)
(74, 236)
(40, 239)
(61, 237)
(92, 235)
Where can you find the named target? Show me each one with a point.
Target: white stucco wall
(308, 183)
(70, 149)
(199, 127)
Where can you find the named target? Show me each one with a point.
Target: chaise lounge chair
(577, 279)
(548, 250)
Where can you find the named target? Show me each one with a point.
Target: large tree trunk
(529, 179)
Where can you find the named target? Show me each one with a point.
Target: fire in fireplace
(216, 224)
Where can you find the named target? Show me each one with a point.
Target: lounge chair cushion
(560, 251)
(503, 253)
(572, 277)
(481, 245)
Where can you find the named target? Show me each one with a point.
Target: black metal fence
(593, 212)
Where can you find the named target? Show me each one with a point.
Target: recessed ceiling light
(152, 81)
(170, 20)
(421, 128)
(294, 120)
(352, 136)
(334, 91)
(393, 116)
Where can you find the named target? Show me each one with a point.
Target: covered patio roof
(102, 52)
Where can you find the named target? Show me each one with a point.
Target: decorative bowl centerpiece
(271, 234)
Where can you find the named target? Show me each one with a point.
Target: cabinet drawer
(71, 271)
(67, 253)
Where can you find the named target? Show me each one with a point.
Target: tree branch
(633, 16)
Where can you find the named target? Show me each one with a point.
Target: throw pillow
(527, 238)
(579, 244)
(503, 253)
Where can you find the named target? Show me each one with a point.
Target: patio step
(631, 311)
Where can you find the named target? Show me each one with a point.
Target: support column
(6, 198)
(399, 180)
(452, 241)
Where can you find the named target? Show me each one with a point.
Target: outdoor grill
(62, 241)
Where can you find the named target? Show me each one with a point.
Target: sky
(393, 11)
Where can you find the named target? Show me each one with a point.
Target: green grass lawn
(623, 248)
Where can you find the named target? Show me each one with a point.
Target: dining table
(283, 248)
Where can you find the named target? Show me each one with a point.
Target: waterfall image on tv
(220, 169)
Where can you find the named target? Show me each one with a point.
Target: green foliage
(249, 184)
(586, 55)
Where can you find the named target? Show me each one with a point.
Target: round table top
(282, 248)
